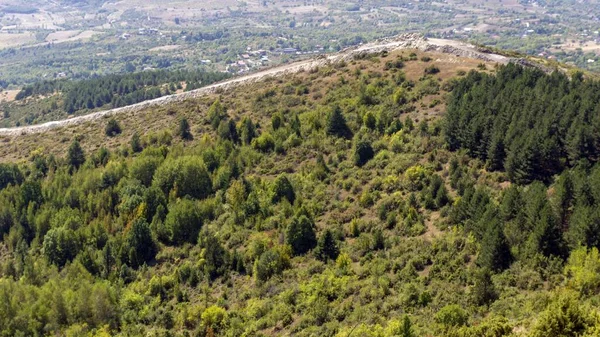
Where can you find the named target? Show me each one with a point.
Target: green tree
(282, 188)
(193, 179)
(270, 263)
(495, 252)
(183, 130)
(60, 246)
(336, 124)
(300, 235)
(363, 152)
(143, 168)
(75, 155)
(187, 176)
(327, 247)
(136, 143)
(10, 175)
(142, 247)
(215, 256)
(484, 291)
(184, 221)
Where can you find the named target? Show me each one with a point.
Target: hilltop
(422, 188)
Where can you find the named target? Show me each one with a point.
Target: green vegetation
(61, 98)
(321, 212)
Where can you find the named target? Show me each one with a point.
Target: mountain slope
(326, 202)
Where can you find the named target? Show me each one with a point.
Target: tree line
(120, 89)
(527, 122)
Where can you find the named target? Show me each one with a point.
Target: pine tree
(407, 330)
(327, 247)
(136, 144)
(495, 252)
(247, 130)
(336, 124)
(75, 155)
(215, 256)
(484, 291)
(548, 234)
(184, 129)
(363, 152)
(282, 188)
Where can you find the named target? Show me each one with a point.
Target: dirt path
(405, 41)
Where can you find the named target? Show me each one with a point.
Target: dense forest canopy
(525, 121)
(321, 204)
(120, 90)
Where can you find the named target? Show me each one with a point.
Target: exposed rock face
(403, 41)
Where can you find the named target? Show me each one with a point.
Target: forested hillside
(61, 98)
(340, 201)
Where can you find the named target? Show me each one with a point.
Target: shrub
(583, 270)
(451, 316)
(563, 317)
(112, 128)
(214, 319)
(270, 263)
(431, 70)
(264, 143)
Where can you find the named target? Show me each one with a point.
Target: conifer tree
(327, 247)
(495, 252)
(336, 124)
(75, 155)
(282, 188)
(184, 129)
(363, 152)
(484, 291)
(136, 144)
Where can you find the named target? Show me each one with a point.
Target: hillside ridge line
(403, 41)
